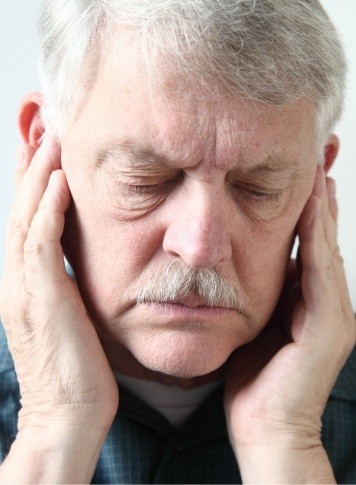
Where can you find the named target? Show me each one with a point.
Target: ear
(29, 119)
(331, 149)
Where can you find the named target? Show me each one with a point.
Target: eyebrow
(146, 156)
(140, 156)
(275, 164)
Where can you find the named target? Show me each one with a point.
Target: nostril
(173, 254)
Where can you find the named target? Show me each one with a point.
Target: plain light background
(18, 58)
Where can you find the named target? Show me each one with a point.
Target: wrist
(295, 430)
(284, 462)
(61, 419)
(54, 454)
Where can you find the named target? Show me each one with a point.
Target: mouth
(192, 301)
(190, 306)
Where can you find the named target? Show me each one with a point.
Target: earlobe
(30, 121)
(331, 149)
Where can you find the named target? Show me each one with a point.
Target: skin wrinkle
(198, 220)
(133, 163)
(268, 177)
(187, 154)
(150, 158)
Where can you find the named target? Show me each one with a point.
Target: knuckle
(35, 255)
(337, 256)
(16, 226)
(329, 271)
(42, 224)
(33, 248)
(14, 303)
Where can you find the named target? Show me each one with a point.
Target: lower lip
(180, 310)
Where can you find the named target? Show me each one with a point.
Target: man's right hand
(66, 384)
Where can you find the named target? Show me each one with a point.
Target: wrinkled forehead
(178, 116)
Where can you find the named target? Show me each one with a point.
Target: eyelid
(150, 188)
(259, 195)
(255, 192)
(146, 189)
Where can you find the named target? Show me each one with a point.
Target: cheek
(268, 246)
(269, 258)
(107, 253)
(261, 262)
(107, 250)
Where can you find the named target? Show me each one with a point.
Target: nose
(198, 230)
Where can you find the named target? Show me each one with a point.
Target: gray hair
(271, 51)
(176, 281)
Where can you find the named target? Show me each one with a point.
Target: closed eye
(152, 189)
(262, 196)
(247, 193)
(147, 189)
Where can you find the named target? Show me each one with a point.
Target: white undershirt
(176, 404)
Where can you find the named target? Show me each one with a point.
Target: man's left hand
(278, 385)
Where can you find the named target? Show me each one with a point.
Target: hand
(278, 385)
(65, 379)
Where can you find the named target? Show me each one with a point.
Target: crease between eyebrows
(152, 159)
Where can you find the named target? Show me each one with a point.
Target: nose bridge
(205, 219)
(199, 230)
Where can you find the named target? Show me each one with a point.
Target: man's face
(158, 177)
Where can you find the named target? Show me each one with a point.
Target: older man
(178, 150)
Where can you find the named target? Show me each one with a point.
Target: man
(178, 150)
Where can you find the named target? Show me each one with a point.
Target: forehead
(186, 121)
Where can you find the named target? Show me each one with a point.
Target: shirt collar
(205, 424)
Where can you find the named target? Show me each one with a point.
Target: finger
(43, 254)
(331, 192)
(35, 180)
(319, 282)
(24, 156)
(327, 218)
(324, 189)
(28, 196)
(324, 285)
(329, 215)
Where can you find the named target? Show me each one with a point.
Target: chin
(182, 354)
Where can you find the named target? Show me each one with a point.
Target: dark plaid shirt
(142, 446)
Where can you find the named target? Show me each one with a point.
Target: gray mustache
(176, 281)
